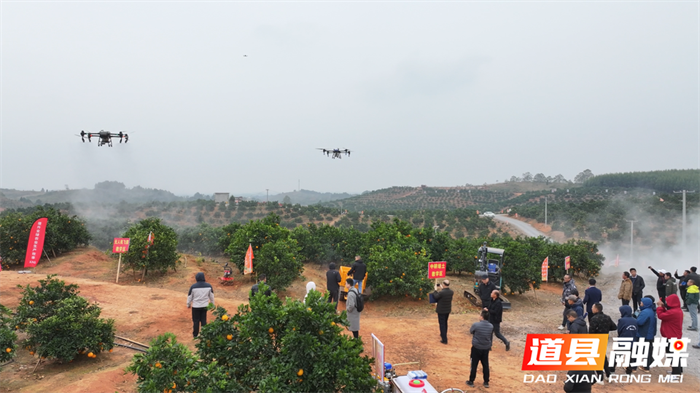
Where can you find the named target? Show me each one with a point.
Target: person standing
(577, 325)
(351, 307)
(358, 272)
(692, 296)
(671, 317)
(575, 305)
(255, 288)
(694, 276)
(310, 286)
(200, 295)
(485, 289)
(495, 310)
(670, 284)
(443, 307)
(601, 324)
(569, 285)
(627, 327)
(637, 288)
(333, 284)
(646, 325)
(682, 286)
(660, 282)
(625, 293)
(481, 345)
(592, 296)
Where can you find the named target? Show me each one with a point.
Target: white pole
(119, 265)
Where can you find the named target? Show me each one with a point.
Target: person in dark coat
(485, 289)
(495, 310)
(637, 288)
(255, 289)
(660, 283)
(694, 276)
(443, 307)
(577, 325)
(200, 295)
(602, 324)
(682, 286)
(646, 324)
(569, 285)
(333, 284)
(592, 296)
(627, 327)
(358, 272)
(481, 346)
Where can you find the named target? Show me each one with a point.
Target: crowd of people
(638, 320)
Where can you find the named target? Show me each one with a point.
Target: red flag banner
(567, 263)
(249, 260)
(545, 269)
(36, 243)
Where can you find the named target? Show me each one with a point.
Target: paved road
(525, 228)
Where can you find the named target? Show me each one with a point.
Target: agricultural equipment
(227, 279)
(343, 276)
(492, 268)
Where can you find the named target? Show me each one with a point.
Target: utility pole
(546, 196)
(631, 239)
(268, 194)
(684, 192)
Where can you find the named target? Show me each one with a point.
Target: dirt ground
(408, 328)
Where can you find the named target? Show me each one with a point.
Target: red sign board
(36, 243)
(121, 245)
(437, 269)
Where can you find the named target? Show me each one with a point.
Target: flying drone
(105, 137)
(335, 153)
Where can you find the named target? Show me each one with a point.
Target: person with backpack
(200, 295)
(254, 290)
(353, 306)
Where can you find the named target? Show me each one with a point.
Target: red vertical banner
(249, 260)
(567, 263)
(36, 243)
(545, 269)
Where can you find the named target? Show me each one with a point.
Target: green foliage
(7, 335)
(161, 255)
(203, 238)
(59, 323)
(664, 181)
(63, 232)
(267, 346)
(276, 252)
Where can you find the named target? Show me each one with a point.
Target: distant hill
(663, 181)
(104, 192)
(308, 197)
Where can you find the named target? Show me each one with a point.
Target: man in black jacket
(358, 272)
(495, 310)
(332, 284)
(637, 288)
(577, 325)
(602, 324)
(443, 308)
(660, 283)
(485, 289)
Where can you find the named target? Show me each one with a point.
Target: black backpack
(359, 303)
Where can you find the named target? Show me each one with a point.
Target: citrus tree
(60, 324)
(161, 255)
(63, 232)
(276, 252)
(267, 346)
(8, 337)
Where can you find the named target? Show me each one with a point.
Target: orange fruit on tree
(174, 385)
(158, 365)
(110, 350)
(229, 337)
(224, 318)
(91, 354)
(31, 302)
(270, 330)
(8, 350)
(31, 353)
(320, 332)
(300, 372)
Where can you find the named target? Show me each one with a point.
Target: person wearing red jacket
(671, 317)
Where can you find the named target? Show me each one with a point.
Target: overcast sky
(441, 94)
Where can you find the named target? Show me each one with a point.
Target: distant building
(221, 197)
